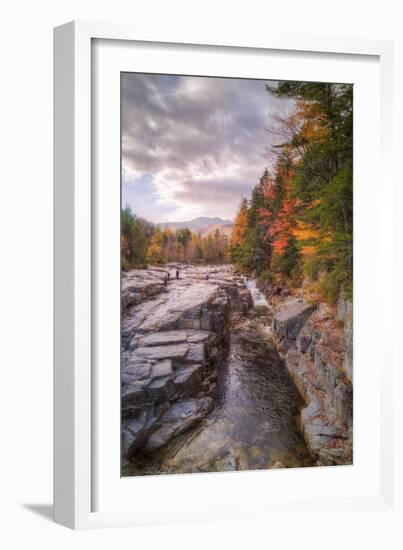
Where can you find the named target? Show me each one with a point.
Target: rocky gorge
(316, 344)
(219, 375)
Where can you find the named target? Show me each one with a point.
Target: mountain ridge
(197, 224)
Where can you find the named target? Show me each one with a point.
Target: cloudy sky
(193, 146)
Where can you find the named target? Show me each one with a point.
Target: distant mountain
(223, 229)
(202, 224)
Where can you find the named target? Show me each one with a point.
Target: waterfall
(258, 298)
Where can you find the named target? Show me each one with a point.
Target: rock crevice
(315, 348)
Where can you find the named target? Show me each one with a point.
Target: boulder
(188, 380)
(182, 416)
(133, 433)
(160, 389)
(304, 339)
(289, 320)
(138, 428)
(196, 354)
(133, 396)
(226, 463)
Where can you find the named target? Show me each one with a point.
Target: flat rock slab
(167, 337)
(292, 310)
(162, 369)
(136, 372)
(170, 311)
(138, 285)
(198, 336)
(162, 352)
(164, 338)
(178, 306)
(170, 335)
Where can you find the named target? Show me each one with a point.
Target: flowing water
(258, 298)
(254, 423)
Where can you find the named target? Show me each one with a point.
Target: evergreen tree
(257, 249)
(322, 142)
(300, 219)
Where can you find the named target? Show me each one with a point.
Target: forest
(298, 223)
(144, 242)
(251, 363)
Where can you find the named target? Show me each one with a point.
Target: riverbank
(315, 341)
(207, 383)
(174, 337)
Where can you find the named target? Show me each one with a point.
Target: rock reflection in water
(254, 424)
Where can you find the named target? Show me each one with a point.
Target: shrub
(347, 293)
(266, 276)
(125, 264)
(332, 283)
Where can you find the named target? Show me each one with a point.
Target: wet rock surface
(253, 422)
(217, 378)
(289, 319)
(345, 315)
(173, 338)
(315, 351)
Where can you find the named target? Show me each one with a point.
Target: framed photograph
(219, 229)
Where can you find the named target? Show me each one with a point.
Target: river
(254, 423)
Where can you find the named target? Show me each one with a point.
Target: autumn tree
(142, 242)
(278, 217)
(133, 240)
(299, 220)
(157, 247)
(195, 249)
(322, 138)
(238, 234)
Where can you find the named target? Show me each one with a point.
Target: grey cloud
(205, 137)
(215, 190)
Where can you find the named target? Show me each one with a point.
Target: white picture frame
(78, 208)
